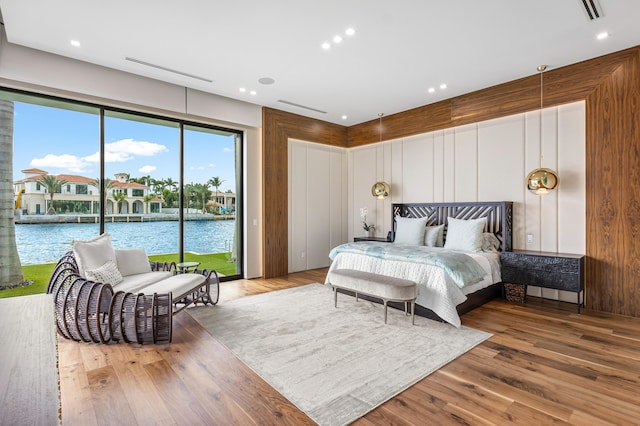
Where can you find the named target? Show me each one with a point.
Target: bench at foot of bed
(389, 289)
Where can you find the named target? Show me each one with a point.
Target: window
(51, 135)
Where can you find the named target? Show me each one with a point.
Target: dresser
(560, 271)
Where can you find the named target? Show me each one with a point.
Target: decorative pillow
(93, 253)
(465, 235)
(490, 242)
(434, 236)
(410, 230)
(132, 261)
(107, 273)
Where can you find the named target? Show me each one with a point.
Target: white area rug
(334, 364)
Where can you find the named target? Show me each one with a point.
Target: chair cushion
(132, 261)
(138, 282)
(94, 253)
(178, 285)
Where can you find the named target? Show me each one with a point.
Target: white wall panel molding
(317, 203)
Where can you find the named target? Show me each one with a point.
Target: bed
(452, 280)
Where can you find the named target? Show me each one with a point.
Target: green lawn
(40, 274)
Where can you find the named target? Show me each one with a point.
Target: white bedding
(436, 289)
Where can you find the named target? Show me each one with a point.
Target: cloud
(227, 149)
(114, 152)
(147, 169)
(133, 147)
(65, 161)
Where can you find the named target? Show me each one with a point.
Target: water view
(46, 243)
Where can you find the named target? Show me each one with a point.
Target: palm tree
(201, 190)
(10, 268)
(170, 183)
(147, 198)
(52, 184)
(216, 182)
(108, 185)
(119, 197)
(187, 192)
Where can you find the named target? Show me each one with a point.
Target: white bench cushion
(137, 283)
(383, 286)
(179, 285)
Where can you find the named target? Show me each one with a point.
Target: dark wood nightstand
(378, 239)
(560, 271)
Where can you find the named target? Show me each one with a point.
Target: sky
(67, 142)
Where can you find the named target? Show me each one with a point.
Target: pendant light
(380, 190)
(542, 180)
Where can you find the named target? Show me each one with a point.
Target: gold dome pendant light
(542, 180)
(381, 190)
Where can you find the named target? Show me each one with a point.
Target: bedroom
(613, 281)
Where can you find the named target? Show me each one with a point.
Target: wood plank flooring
(545, 364)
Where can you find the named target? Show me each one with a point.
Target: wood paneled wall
(277, 128)
(610, 86)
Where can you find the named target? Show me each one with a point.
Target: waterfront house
(79, 195)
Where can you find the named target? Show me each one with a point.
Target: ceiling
(400, 49)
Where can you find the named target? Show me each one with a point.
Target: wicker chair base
(91, 312)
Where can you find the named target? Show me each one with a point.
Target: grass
(41, 273)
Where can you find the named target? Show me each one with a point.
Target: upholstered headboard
(499, 216)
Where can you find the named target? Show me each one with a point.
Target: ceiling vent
(302, 106)
(160, 67)
(592, 9)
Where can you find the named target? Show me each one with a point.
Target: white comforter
(436, 289)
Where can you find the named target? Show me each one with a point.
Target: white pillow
(107, 273)
(465, 235)
(434, 236)
(410, 230)
(93, 253)
(132, 261)
(490, 242)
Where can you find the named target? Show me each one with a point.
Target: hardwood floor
(545, 364)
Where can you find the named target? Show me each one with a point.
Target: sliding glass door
(169, 186)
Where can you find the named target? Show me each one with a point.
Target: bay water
(47, 243)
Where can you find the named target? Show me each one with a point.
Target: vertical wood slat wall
(610, 85)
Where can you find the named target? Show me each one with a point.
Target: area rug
(336, 365)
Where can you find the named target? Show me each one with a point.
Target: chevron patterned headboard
(499, 216)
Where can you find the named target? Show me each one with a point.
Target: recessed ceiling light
(337, 39)
(326, 46)
(75, 43)
(443, 86)
(344, 117)
(266, 80)
(602, 35)
(431, 89)
(350, 31)
(242, 89)
(253, 92)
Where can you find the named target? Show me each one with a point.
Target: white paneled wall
(485, 161)
(317, 203)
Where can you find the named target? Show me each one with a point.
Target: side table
(560, 271)
(378, 239)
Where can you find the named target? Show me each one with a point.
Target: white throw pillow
(410, 230)
(132, 261)
(490, 242)
(465, 235)
(434, 236)
(107, 273)
(93, 253)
